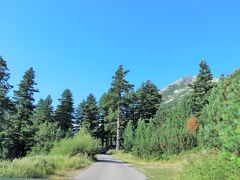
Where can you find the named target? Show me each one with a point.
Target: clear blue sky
(79, 44)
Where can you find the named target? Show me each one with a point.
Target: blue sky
(79, 44)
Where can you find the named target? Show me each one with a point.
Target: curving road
(106, 168)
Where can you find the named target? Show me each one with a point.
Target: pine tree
(5, 103)
(5, 107)
(89, 115)
(148, 100)
(119, 87)
(128, 137)
(45, 136)
(201, 87)
(43, 112)
(80, 114)
(229, 127)
(130, 108)
(139, 140)
(64, 112)
(20, 122)
(220, 118)
(107, 119)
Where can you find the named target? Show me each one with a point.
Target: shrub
(220, 119)
(192, 125)
(82, 143)
(128, 137)
(214, 167)
(45, 137)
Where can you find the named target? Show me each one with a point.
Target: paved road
(106, 168)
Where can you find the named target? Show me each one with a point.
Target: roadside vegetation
(206, 119)
(195, 137)
(68, 154)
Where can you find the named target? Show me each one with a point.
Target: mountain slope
(178, 89)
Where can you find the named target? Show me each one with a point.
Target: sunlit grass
(169, 167)
(41, 166)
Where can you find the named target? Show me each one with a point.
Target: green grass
(153, 169)
(67, 155)
(189, 165)
(41, 166)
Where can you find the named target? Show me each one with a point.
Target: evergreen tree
(130, 108)
(139, 140)
(64, 112)
(19, 132)
(5, 107)
(89, 115)
(24, 105)
(5, 104)
(201, 87)
(220, 118)
(119, 87)
(108, 119)
(43, 112)
(80, 114)
(148, 100)
(45, 136)
(229, 127)
(128, 137)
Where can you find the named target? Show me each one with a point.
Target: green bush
(45, 137)
(40, 166)
(220, 119)
(82, 143)
(213, 167)
(128, 137)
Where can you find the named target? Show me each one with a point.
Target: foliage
(119, 87)
(201, 87)
(40, 166)
(128, 137)
(47, 134)
(81, 143)
(220, 119)
(5, 107)
(5, 104)
(17, 132)
(88, 115)
(212, 166)
(192, 125)
(148, 100)
(139, 140)
(64, 111)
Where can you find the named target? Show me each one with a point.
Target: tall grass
(40, 166)
(68, 154)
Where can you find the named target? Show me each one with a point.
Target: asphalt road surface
(107, 168)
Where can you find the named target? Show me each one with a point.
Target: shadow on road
(109, 161)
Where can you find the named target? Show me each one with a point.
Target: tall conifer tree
(89, 115)
(148, 100)
(119, 87)
(21, 122)
(64, 112)
(201, 87)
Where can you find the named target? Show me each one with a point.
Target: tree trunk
(118, 130)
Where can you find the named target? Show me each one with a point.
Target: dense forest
(135, 120)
